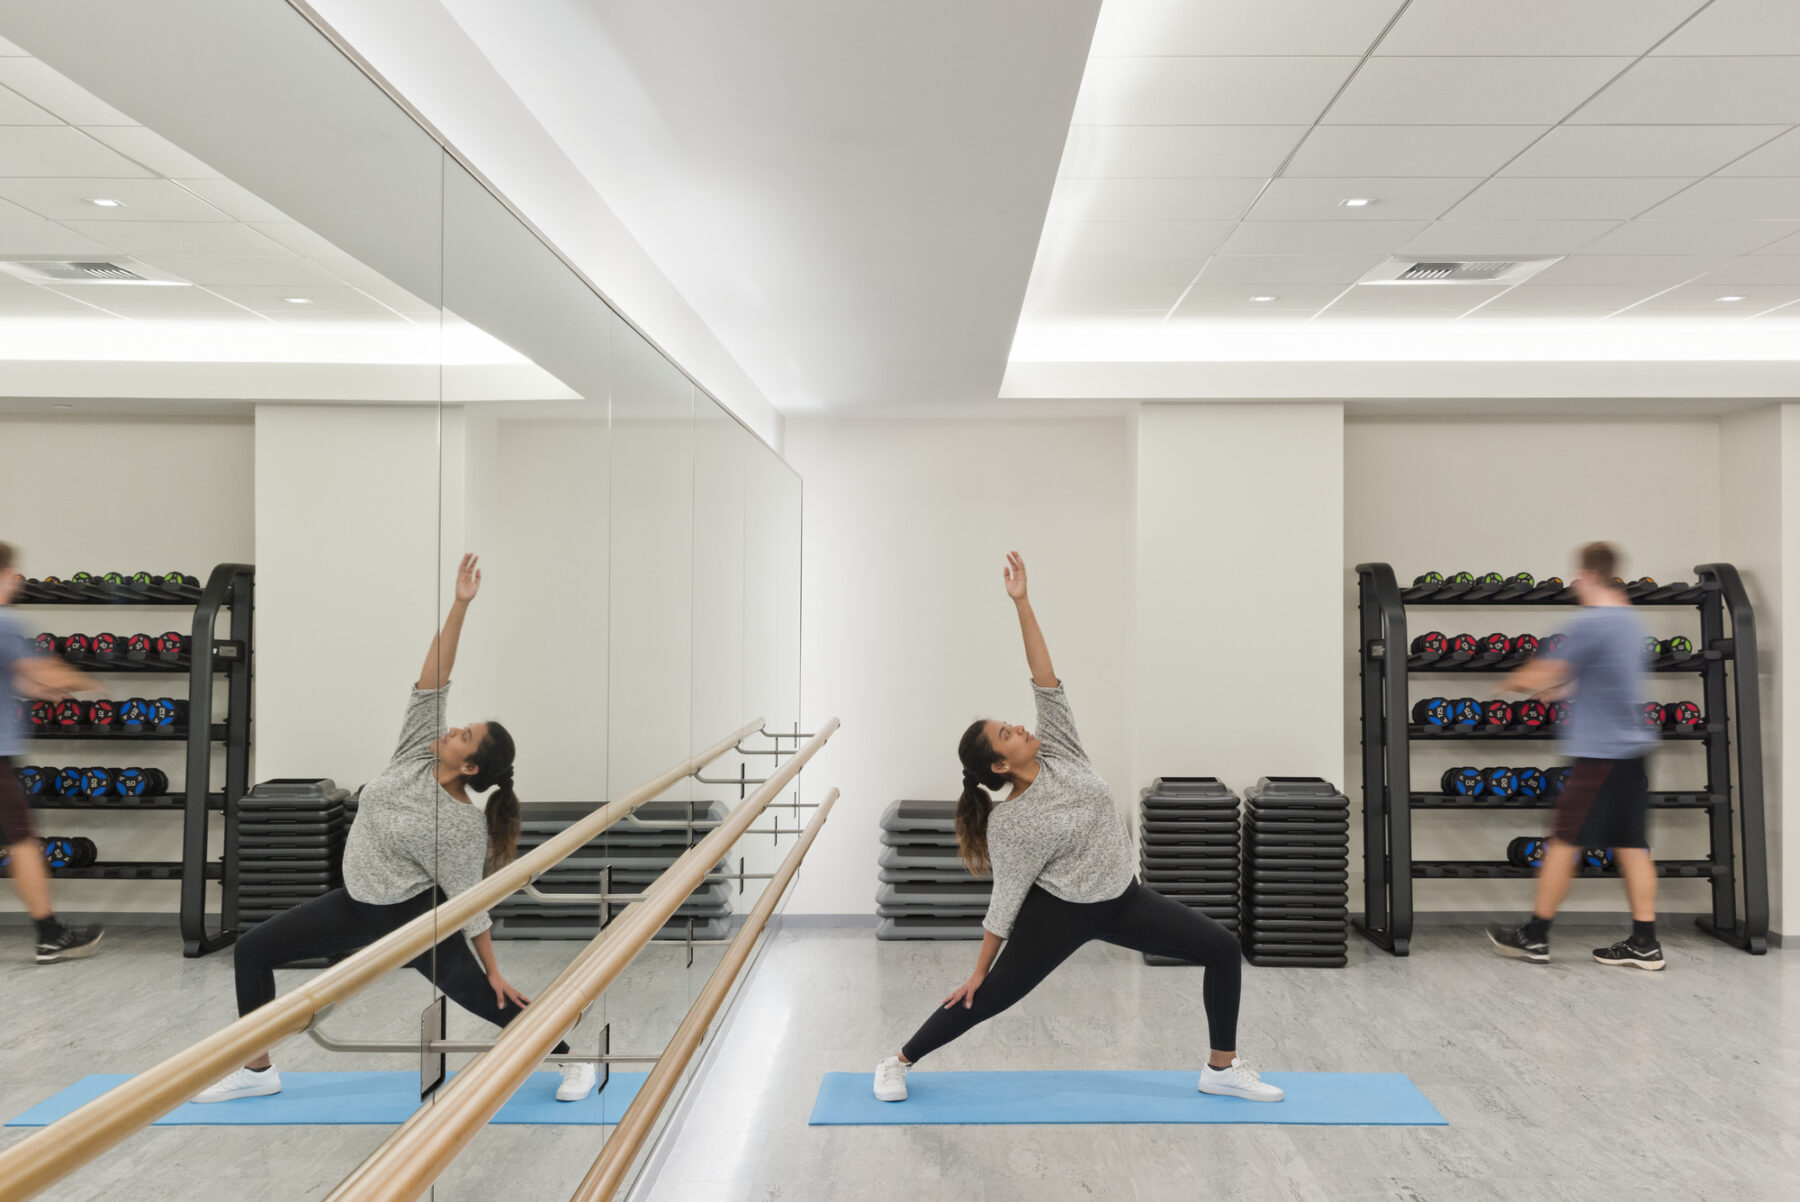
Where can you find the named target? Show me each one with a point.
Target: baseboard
(1568, 918)
(111, 918)
(810, 921)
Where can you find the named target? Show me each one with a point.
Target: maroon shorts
(15, 811)
(1605, 804)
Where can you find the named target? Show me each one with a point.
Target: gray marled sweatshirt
(409, 834)
(1063, 832)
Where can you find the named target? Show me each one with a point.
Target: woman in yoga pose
(419, 837)
(1061, 860)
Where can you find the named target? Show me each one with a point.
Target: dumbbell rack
(229, 586)
(1388, 733)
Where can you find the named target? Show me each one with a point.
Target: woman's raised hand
(1015, 576)
(468, 579)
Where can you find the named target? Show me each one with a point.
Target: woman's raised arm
(441, 658)
(1037, 655)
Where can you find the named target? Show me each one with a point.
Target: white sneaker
(890, 1080)
(245, 1083)
(1238, 1081)
(578, 1077)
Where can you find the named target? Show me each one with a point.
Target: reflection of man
(25, 672)
(1606, 802)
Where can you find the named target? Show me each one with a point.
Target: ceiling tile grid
(1654, 145)
(79, 180)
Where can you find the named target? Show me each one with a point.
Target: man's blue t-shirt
(15, 734)
(1610, 670)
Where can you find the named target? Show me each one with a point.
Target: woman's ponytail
(974, 805)
(493, 762)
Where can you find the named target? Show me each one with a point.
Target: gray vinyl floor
(1561, 1081)
(1565, 1081)
(139, 1001)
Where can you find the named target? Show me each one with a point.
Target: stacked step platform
(925, 892)
(1296, 870)
(636, 853)
(1189, 847)
(290, 846)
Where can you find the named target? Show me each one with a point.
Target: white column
(1238, 656)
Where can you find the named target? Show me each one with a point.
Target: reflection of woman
(418, 837)
(1063, 875)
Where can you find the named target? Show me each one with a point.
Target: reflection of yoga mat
(956, 1099)
(347, 1099)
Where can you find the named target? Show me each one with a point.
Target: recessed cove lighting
(1733, 298)
(1263, 300)
(297, 300)
(106, 202)
(1357, 202)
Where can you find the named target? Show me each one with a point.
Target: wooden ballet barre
(608, 1171)
(71, 1141)
(411, 1158)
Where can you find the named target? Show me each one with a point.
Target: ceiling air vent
(1509, 270)
(87, 271)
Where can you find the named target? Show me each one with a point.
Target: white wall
(348, 579)
(908, 633)
(99, 494)
(1513, 495)
(1239, 624)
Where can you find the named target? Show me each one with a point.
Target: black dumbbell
(36, 781)
(141, 782)
(1681, 714)
(45, 643)
(68, 782)
(1531, 713)
(1674, 644)
(69, 714)
(106, 646)
(75, 646)
(1428, 578)
(1460, 578)
(1462, 782)
(1528, 782)
(99, 782)
(1431, 642)
(1495, 644)
(171, 646)
(41, 713)
(1497, 713)
(168, 712)
(1432, 711)
(1492, 579)
(1523, 578)
(1466, 712)
(1527, 851)
(1464, 644)
(1522, 644)
(134, 713)
(1498, 782)
(138, 647)
(1553, 644)
(1653, 714)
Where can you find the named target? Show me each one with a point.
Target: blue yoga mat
(1318, 1099)
(312, 1099)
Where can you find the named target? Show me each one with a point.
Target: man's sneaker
(245, 1083)
(890, 1079)
(1238, 1080)
(1511, 941)
(578, 1077)
(1650, 958)
(72, 944)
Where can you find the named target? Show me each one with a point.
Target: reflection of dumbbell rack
(206, 658)
(1389, 730)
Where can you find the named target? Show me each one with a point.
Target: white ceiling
(848, 192)
(1654, 143)
(246, 262)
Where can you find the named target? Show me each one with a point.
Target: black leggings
(1047, 932)
(336, 924)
